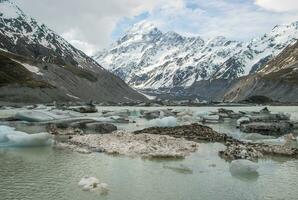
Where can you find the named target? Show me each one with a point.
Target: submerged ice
(9, 137)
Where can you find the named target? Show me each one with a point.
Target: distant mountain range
(37, 65)
(168, 63)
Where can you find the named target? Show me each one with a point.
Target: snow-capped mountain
(147, 58)
(21, 34)
(37, 65)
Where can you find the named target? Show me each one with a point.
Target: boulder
(243, 167)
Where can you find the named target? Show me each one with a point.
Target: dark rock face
(39, 66)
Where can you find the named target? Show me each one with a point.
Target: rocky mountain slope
(278, 79)
(37, 65)
(147, 58)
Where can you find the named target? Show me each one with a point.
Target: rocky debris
(193, 132)
(266, 128)
(92, 184)
(144, 145)
(236, 151)
(242, 167)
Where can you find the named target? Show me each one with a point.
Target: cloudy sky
(91, 25)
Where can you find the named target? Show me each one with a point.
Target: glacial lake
(45, 173)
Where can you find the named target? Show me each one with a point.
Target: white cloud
(239, 20)
(92, 20)
(278, 5)
(89, 25)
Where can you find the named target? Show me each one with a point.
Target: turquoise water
(52, 174)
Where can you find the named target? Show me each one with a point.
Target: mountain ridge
(151, 59)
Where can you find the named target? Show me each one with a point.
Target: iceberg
(163, 122)
(9, 137)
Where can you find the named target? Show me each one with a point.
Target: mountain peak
(9, 10)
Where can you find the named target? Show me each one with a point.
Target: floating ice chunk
(29, 140)
(11, 138)
(243, 167)
(93, 184)
(201, 114)
(87, 183)
(164, 122)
